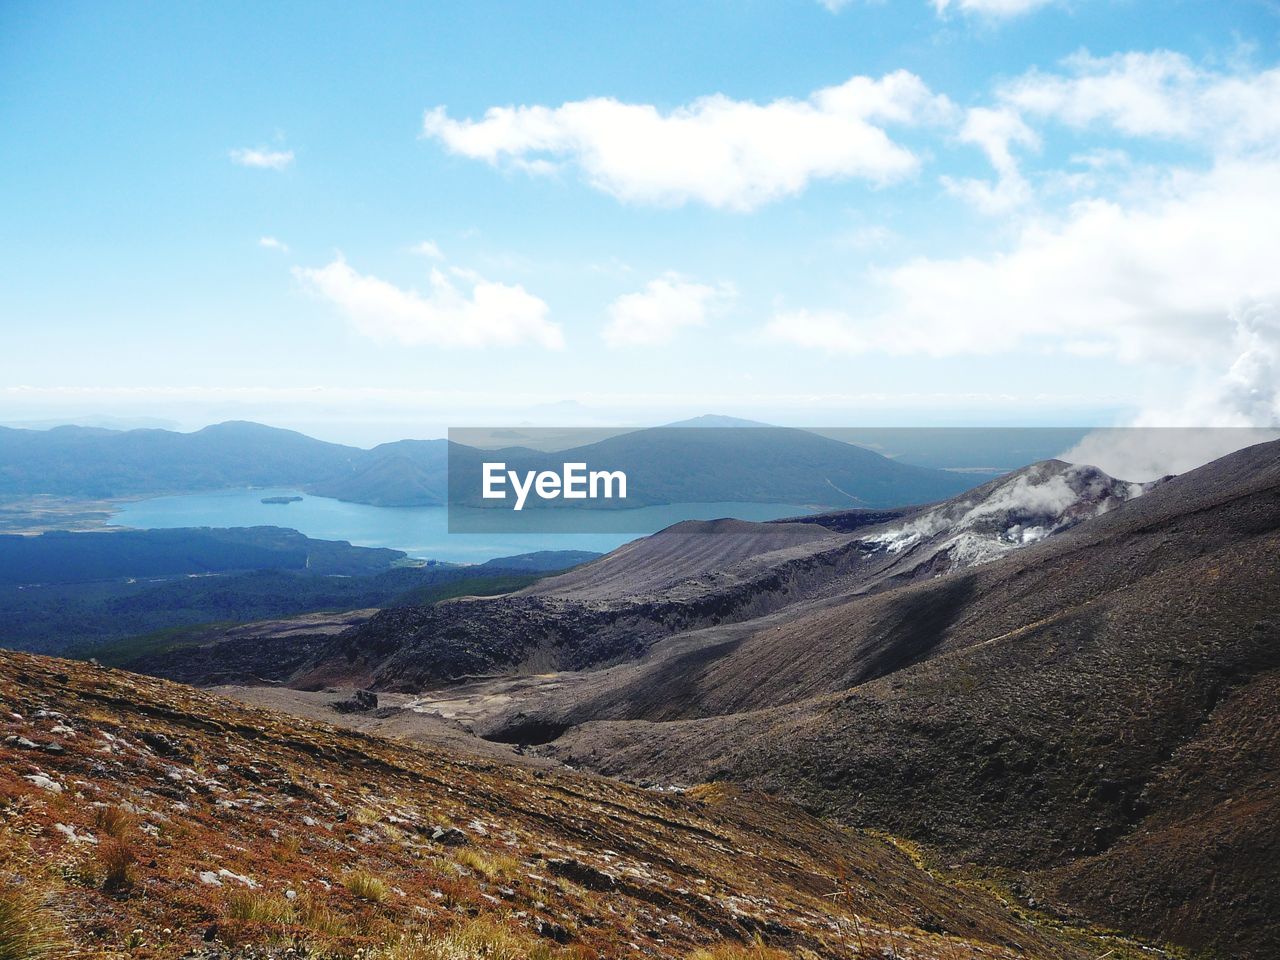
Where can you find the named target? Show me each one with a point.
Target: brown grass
(366, 886)
(27, 931)
(492, 866)
(113, 821)
(477, 939)
(739, 951)
(253, 907)
(117, 858)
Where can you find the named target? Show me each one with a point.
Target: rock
(158, 742)
(228, 875)
(210, 878)
(362, 701)
(582, 874)
(450, 836)
(44, 783)
(552, 931)
(69, 831)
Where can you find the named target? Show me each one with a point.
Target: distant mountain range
(709, 459)
(96, 463)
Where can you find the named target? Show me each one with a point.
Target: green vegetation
(61, 557)
(118, 621)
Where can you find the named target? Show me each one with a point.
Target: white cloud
(429, 249)
(1155, 279)
(995, 131)
(271, 243)
(262, 158)
(835, 6)
(461, 309)
(1157, 94)
(666, 306)
(990, 8)
(731, 154)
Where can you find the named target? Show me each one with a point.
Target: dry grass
(478, 939)
(27, 932)
(253, 907)
(287, 849)
(366, 886)
(113, 821)
(117, 858)
(739, 951)
(492, 866)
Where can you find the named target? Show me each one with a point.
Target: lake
(419, 531)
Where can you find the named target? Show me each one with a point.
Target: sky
(371, 221)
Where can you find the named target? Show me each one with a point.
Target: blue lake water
(418, 531)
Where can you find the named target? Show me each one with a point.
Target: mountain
(709, 464)
(1091, 714)
(146, 819)
(664, 465)
(710, 575)
(1058, 679)
(92, 462)
(389, 480)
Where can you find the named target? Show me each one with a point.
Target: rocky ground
(141, 818)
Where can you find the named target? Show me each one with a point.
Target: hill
(407, 473)
(1090, 712)
(92, 462)
(1058, 679)
(702, 463)
(146, 819)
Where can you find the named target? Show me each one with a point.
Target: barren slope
(144, 819)
(1030, 713)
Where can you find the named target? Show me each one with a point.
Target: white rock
(44, 783)
(228, 875)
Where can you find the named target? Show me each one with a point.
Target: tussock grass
(320, 919)
(117, 858)
(114, 822)
(492, 866)
(739, 951)
(27, 932)
(478, 939)
(254, 907)
(286, 850)
(366, 886)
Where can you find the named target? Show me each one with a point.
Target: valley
(1055, 689)
(1021, 680)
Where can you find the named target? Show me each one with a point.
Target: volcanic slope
(1095, 710)
(706, 574)
(145, 819)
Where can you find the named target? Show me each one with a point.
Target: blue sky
(906, 211)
